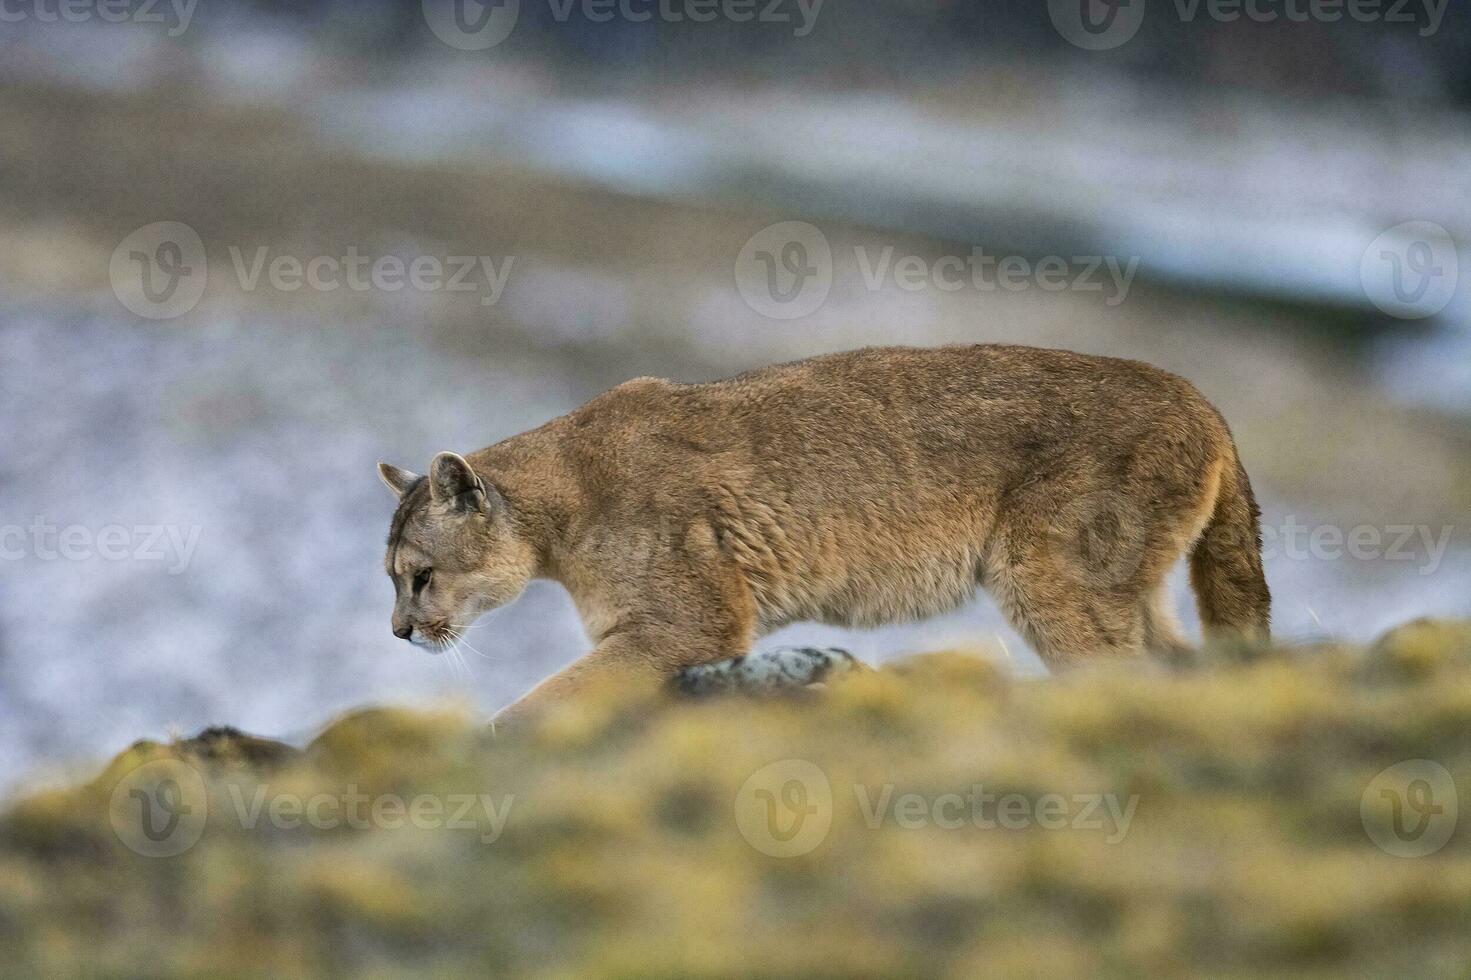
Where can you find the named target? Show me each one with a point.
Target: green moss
(624, 837)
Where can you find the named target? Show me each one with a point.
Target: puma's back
(883, 484)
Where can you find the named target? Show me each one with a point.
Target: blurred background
(248, 250)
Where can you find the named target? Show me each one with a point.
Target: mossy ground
(634, 841)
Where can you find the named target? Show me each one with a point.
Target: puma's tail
(1226, 564)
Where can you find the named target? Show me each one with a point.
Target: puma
(860, 488)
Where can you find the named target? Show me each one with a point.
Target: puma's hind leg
(1162, 632)
(1081, 562)
(1088, 580)
(1066, 618)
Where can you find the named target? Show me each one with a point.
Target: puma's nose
(403, 632)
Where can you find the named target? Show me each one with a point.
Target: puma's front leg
(635, 657)
(621, 657)
(687, 606)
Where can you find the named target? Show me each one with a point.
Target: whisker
(462, 669)
(447, 664)
(466, 643)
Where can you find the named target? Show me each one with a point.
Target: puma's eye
(421, 579)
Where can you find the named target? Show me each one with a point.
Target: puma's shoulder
(635, 397)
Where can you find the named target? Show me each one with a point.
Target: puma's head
(453, 551)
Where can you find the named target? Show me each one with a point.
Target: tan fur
(857, 489)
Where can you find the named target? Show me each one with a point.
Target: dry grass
(623, 852)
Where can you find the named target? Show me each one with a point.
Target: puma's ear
(453, 482)
(397, 479)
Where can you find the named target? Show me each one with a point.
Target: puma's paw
(771, 672)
